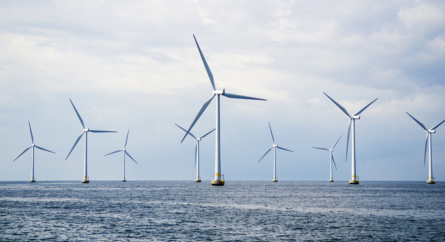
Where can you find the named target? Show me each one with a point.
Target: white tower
(32, 146)
(198, 140)
(218, 177)
(429, 132)
(85, 131)
(331, 158)
(274, 147)
(351, 129)
(125, 153)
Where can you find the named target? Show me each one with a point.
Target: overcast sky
(134, 65)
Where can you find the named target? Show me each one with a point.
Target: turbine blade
(186, 131)
(333, 161)
(284, 149)
(74, 145)
(242, 97)
(435, 127)
(338, 105)
(126, 140)
(426, 145)
(363, 109)
(320, 148)
(101, 131)
(205, 65)
(78, 115)
(44, 149)
(347, 139)
(417, 121)
(208, 133)
(336, 142)
(199, 115)
(22, 153)
(196, 151)
(273, 140)
(113, 152)
(265, 154)
(131, 157)
(30, 131)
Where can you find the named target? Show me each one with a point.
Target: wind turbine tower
(429, 132)
(331, 179)
(32, 146)
(218, 93)
(351, 129)
(85, 131)
(125, 153)
(274, 147)
(198, 177)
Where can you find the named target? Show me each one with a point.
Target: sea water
(240, 210)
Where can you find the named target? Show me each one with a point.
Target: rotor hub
(219, 92)
(86, 130)
(274, 145)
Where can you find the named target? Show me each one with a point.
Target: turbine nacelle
(33, 145)
(431, 131)
(274, 145)
(198, 139)
(355, 117)
(219, 92)
(86, 130)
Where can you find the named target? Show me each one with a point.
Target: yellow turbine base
(124, 180)
(198, 180)
(32, 180)
(331, 180)
(431, 182)
(85, 181)
(274, 180)
(356, 182)
(217, 183)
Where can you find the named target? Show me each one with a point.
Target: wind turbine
(431, 179)
(32, 146)
(85, 131)
(125, 153)
(218, 181)
(351, 128)
(198, 178)
(332, 158)
(274, 147)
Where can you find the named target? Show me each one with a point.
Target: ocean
(238, 211)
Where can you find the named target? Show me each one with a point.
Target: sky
(135, 66)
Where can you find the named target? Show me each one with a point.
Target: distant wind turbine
(125, 153)
(32, 146)
(218, 181)
(429, 132)
(351, 128)
(198, 178)
(274, 147)
(331, 157)
(85, 131)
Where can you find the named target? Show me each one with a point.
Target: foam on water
(240, 210)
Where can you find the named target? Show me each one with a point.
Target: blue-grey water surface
(241, 210)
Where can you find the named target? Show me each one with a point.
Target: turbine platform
(431, 182)
(198, 180)
(217, 183)
(356, 182)
(85, 181)
(331, 180)
(124, 180)
(274, 180)
(32, 180)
